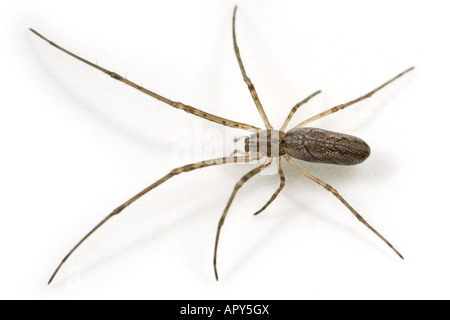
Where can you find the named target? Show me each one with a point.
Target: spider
(303, 143)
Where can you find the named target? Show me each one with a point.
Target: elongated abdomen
(318, 145)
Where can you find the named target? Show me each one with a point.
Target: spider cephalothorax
(269, 143)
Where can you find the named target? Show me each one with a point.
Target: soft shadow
(118, 127)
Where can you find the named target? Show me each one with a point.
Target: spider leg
(295, 108)
(247, 80)
(174, 172)
(178, 105)
(233, 194)
(345, 105)
(282, 183)
(237, 151)
(237, 139)
(337, 195)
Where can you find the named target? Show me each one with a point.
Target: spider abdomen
(318, 145)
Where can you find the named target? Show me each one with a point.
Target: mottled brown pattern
(323, 146)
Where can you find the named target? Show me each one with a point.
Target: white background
(76, 144)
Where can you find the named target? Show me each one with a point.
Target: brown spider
(304, 143)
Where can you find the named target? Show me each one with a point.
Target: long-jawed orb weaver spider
(304, 143)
